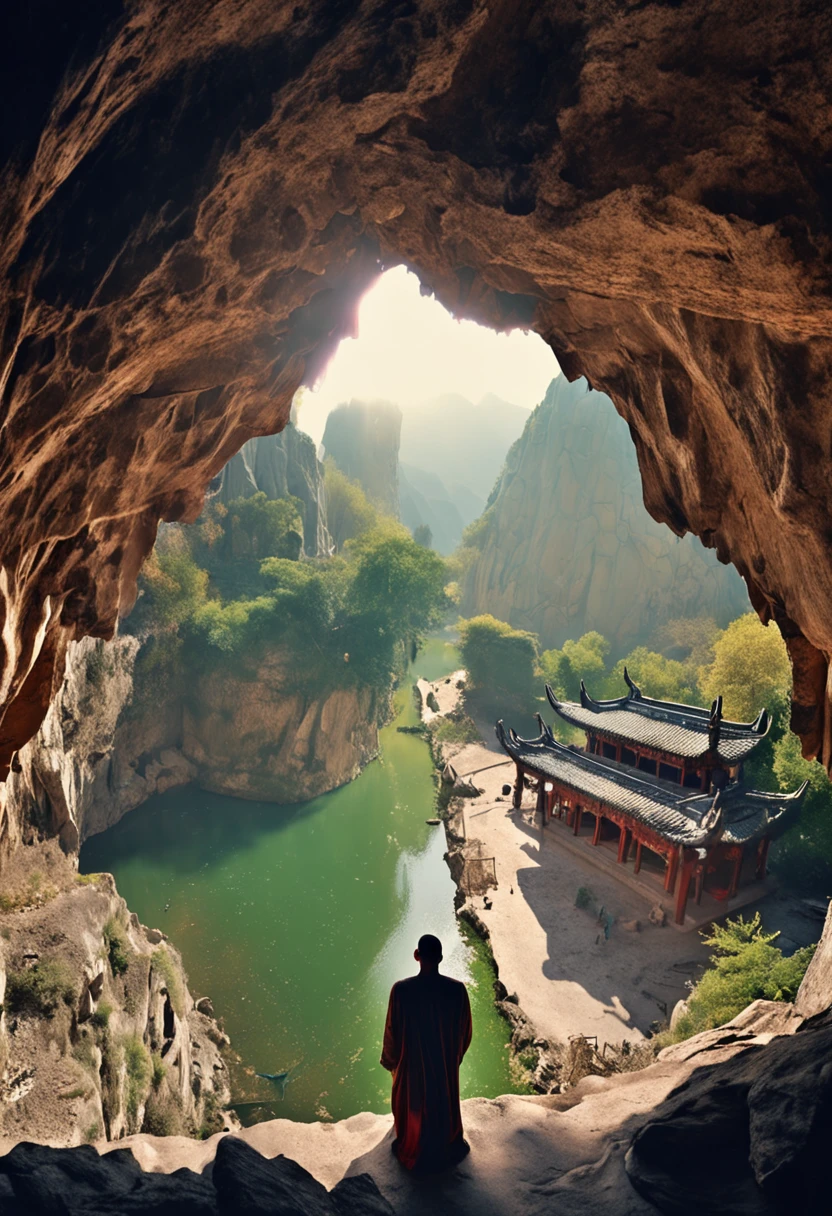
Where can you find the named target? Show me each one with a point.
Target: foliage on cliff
(218, 591)
(745, 966)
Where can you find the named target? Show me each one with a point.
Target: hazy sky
(409, 349)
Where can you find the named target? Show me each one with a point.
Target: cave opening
(192, 209)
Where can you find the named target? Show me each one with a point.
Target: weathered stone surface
(359, 1196)
(759, 1121)
(566, 544)
(247, 732)
(78, 1182)
(278, 466)
(52, 1085)
(815, 993)
(248, 1184)
(195, 196)
(363, 440)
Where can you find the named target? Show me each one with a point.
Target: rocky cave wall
(195, 196)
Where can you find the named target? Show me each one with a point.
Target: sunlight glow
(410, 350)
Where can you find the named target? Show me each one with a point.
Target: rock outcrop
(247, 731)
(363, 440)
(566, 544)
(730, 1122)
(195, 197)
(99, 1035)
(279, 466)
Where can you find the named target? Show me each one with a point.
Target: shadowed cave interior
(194, 200)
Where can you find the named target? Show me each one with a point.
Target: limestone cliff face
(363, 440)
(247, 733)
(101, 752)
(566, 544)
(79, 1067)
(280, 465)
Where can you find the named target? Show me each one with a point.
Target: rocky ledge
(730, 1123)
(99, 1034)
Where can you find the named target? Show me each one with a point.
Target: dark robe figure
(428, 1031)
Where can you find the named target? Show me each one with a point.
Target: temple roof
(734, 814)
(689, 732)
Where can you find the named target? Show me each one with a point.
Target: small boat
(433, 822)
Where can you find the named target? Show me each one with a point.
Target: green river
(296, 921)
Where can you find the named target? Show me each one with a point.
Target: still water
(296, 921)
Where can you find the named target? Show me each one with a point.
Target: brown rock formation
(106, 746)
(195, 195)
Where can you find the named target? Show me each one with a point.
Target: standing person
(427, 1033)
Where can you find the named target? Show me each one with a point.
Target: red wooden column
(623, 845)
(618, 752)
(762, 856)
(735, 873)
(670, 870)
(541, 800)
(518, 787)
(684, 885)
(596, 835)
(637, 865)
(576, 818)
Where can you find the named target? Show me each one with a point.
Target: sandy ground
(569, 978)
(445, 691)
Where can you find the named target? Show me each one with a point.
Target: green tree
(584, 659)
(750, 670)
(745, 966)
(398, 581)
(498, 658)
(175, 588)
(665, 679)
(349, 512)
(688, 639)
(423, 536)
(802, 858)
(260, 527)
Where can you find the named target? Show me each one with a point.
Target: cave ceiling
(194, 196)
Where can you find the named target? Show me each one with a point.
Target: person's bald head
(429, 952)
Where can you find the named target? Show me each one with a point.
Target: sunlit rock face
(195, 195)
(362, 437)
(566, 546)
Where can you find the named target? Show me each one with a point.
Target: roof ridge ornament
(761, 723)
(715, 723)
(635, 692)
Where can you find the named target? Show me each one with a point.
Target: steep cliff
(363, 440)
(104, 747)
(279, 466)
(99, 1035)
(566, 544)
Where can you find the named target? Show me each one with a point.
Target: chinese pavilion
(661, 776)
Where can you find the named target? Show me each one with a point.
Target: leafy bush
(165, 965)
(750, 670)
(163, 1115)
(802, 858)
(745, 967)
(40, 989)
(139, 1071)
(497, 657)
(118, 947)
(455, 730)
(101, 1018)
(348, 510)
(665, 679)
(577, 660)
(160, 1069)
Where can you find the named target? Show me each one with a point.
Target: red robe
(428, 1031)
